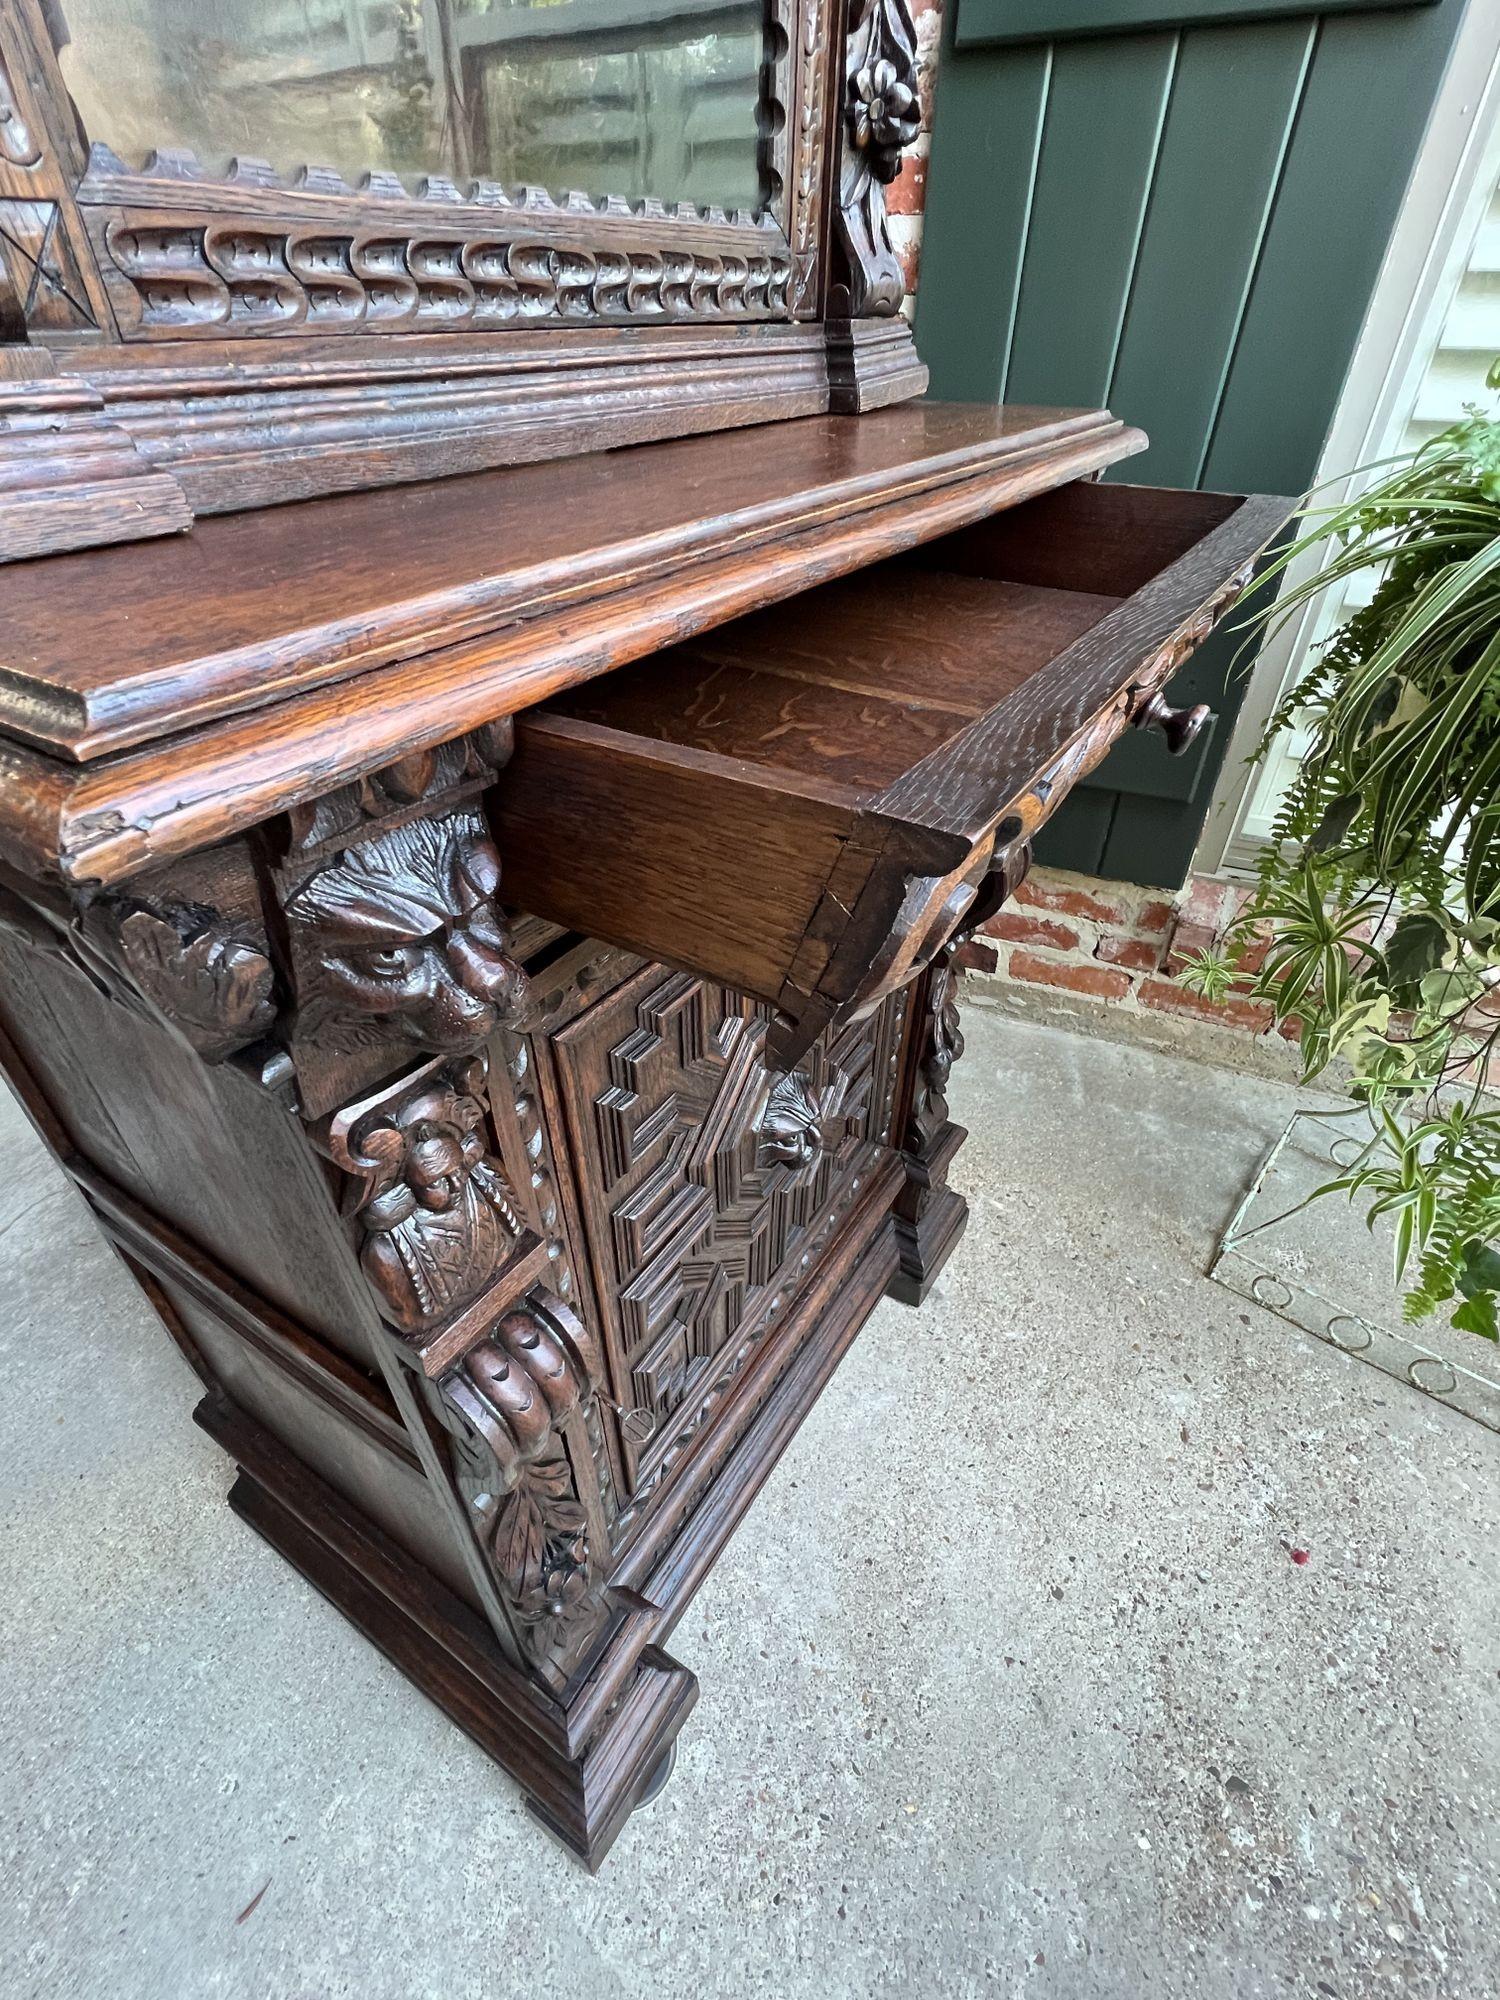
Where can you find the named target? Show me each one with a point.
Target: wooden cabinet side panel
(203, 1146)
(386, 1485)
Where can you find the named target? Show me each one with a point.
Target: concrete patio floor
(1010, 1683)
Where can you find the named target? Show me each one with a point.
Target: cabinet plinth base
(930, 1217)
(583, 1773)
(444, 1650)
(927, 1244)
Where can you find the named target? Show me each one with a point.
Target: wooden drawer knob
(1180, 726)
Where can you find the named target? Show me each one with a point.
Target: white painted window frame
(1450, 187)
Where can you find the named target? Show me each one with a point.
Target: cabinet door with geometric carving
(708, 1185)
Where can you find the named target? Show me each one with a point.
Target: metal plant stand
(1275, 1247)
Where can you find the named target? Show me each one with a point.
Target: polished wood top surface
(108, 648)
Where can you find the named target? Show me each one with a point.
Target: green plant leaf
(1416, 946)
(1480, 1270)
(1477, 1315)
(1335, 823)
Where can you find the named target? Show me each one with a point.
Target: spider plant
(1378, 905)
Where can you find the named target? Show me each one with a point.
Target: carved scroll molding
(522, 1409)
(394, 934)
(207, 275)
(397, 944)
(505, 1368)
(880, 121)
(810, 152)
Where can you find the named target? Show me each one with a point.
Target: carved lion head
(401, 935)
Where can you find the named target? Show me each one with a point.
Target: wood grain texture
(804, 803)
(512, 1253)
(780, 721)
(110, 820)
(345, 336)
(114, 647)
(661, 803)
(952, 642)
(71, 477)
(259, 424)
(969, 783)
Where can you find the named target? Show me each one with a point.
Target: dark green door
(1185, 225)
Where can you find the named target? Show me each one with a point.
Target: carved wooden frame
(179, 344)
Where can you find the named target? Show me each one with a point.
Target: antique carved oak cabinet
(509, 700)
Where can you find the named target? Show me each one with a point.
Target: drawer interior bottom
(854, 682)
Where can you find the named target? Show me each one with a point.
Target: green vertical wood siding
(1098, 153)
(1188, 227)
(986, 22)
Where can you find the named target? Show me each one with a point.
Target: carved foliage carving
(881, 118)
(519, 1404)
(185, 945)
(395, 935)
(202, 974)
(438, 1218)
(942, 1045)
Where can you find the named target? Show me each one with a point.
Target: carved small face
(436, 1169)
(791, 1131)
(401, 934)
(423, 1157)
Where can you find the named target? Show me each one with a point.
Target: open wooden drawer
(806, 803)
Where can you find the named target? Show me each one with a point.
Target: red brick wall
(1111, 945)
(907, 194)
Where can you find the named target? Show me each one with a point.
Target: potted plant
(1378, 905)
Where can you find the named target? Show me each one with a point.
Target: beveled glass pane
(614, 97)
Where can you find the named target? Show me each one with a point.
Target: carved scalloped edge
(110, 178)
(215, 274)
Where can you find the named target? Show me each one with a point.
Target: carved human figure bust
(438, 1217)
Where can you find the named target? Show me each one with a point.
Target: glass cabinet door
(630, 98)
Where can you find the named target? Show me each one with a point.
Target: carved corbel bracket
(388, 889)
(521, 1406)
(185, 946)
(880, 121)
(499, 1362)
